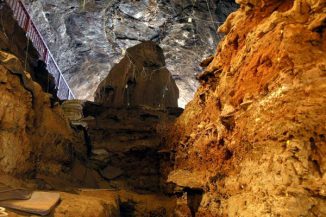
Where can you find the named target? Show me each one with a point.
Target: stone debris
(110, 172)
(3, 212)
(184, 178)
(40, 203)
(228, 110)
(100, 155)
(8, 193)
(125, 145)
(73, 109)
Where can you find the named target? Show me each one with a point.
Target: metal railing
(25, 22)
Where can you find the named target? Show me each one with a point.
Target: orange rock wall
(254, 136)
(34, 135)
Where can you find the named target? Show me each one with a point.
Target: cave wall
(13, 40)
(253, 138)
(88, 37)
(35, 137)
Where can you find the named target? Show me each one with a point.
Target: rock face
(23, 49)
(88, 203)
(11, 31)
(255, 133)
(34, 134)
(125, 145)
(87, 37)
(139, 79)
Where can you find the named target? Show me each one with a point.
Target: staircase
(25, 22)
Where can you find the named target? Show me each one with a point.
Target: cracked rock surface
(88, 37)
(254, 135)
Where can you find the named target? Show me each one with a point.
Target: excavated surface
(253, 139)
(125, 145)
(40, 150)
(251, 143)
(35, 136)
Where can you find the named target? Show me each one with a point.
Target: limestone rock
(34, 136)
(129, 140)
(100, 155)
(88, 37)
(110, 172)
(140, 79)
(73, 109)
(186, 178)
(86, 205)
(267, 104)
(23, 49)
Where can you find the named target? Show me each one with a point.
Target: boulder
(140, 79)
(184, 178)
(111, 172)
(73, 109)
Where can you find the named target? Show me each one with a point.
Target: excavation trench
(250, 143)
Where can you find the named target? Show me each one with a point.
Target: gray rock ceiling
(87, 37)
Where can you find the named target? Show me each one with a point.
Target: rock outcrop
(124, 145)
(35, 137)
(253, 138)
(88, 37)
(139, 79)
(13, 40)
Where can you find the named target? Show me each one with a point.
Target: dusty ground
(85, 202)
